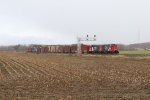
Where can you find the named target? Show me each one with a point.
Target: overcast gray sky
(60, 21)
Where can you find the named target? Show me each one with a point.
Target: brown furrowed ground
(25, 76)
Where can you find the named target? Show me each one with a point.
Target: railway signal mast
(79, 39)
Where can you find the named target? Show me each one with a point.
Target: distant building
(148, 49)
(139, 49)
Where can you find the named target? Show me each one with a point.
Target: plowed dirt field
(25, 76)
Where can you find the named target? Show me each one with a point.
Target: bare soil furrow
(23, 68)
(19, 72)
(53, 71)
(4, 70)
(29, 68)
(16, 71)
(32, 68)
(1, 75)
(37, 68)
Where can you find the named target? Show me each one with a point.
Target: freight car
(86, 49)
(35, 49)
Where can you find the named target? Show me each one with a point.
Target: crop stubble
(46, 76)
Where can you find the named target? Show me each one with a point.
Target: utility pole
(87, 38)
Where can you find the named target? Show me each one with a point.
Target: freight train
(85, 49)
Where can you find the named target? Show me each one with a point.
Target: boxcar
(73, 48)
(44, 49)
(84, 48)
(67, 49)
